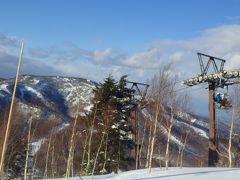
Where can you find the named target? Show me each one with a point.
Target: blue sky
(124, 24)
(94, 38)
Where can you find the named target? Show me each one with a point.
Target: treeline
(109, 139)
(98, 143)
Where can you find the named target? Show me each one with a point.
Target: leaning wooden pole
(212, 151)
(10, 115)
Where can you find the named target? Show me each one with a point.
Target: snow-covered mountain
(44, 96)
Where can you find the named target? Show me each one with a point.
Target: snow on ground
(197, 130)
(4, 88)
(172, 137)
(171, 174)
(88, 108)
(186, 116)
(37, 145)
(36, 81)
(38, 94)
(64, 125)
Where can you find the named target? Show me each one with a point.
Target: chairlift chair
(224, 100)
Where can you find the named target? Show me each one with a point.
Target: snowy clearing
(4, 88)
(30, 89)
(171, 174)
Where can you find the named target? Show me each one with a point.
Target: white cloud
(234, 62)
(147, 60)
(38, 52)
(6, 40)
(71, 60)
(222, 42)
(102, 55)
(9, 52)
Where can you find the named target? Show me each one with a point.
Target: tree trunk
(28, 147)
(99, 148)
(105, 154)
(183, 148)
(169, 128)
(84, 152)
(47, 155)
(149, 145)
(34, 164)
(90, 140)
(154, 135)
(179, 154)
(230, 140)
(52, 158)
(71, 149)
(167, 148)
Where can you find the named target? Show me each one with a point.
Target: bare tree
(154, 135)
(53, 157)
(90, 139)
(149, 144)
(235, 111)
(161, 87)
(105, 153)
(169, 131)
(84, 151)
(28, 148)
(71, 149)
(165, 102)
(142, 140)
(47, 158)
(229, 150)
(230, 139)
(181, 149)
(98, 151)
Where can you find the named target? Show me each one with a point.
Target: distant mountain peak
(55, 94)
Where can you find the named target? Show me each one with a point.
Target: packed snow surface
(171, 174)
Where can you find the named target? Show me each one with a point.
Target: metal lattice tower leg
(212, 151)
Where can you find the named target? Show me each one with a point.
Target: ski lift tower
(219, 78)
(139, 102)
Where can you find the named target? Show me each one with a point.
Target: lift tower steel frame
(220, 78)
(138, 96)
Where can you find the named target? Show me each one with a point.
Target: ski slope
(171, 174)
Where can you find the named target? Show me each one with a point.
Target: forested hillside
(66, 127)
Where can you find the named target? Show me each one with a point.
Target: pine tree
(112, 142)
(125, 129)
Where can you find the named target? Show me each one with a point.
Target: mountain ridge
(56, 97)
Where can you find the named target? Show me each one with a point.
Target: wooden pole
(212, 151)
(10, 115)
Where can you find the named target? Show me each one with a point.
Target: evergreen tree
(123, 121)
(112, 107)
